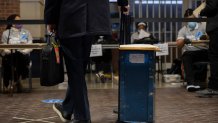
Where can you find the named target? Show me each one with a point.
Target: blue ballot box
(136, 83)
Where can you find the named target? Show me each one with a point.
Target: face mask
(140, 30)
(18, 26)
(192, 25)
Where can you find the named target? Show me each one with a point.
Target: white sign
(136, 58)
(163, 49)
(96, 50)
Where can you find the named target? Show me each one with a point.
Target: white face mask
(143, 34)
(139, 30)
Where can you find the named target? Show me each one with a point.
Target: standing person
(191, 54)
(211, 12)
(75, 23)
(15, 34)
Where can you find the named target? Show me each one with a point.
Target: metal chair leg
(30, 77)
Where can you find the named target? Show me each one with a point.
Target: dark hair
(11, 18)
(188, 12)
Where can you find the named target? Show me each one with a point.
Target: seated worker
(141, 34)
(191, 54)
(15, 34)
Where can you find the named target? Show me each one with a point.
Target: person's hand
(6, 52)
(51, 28)
(25, 51)
(204, 37)
(126, 9)
(187, 41)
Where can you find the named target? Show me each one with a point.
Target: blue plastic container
(136, 86)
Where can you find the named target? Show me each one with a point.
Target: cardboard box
(168, 78)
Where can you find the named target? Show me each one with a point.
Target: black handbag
(51, 67)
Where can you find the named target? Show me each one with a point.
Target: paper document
(197, 11)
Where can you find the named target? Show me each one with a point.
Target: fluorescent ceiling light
(159, 2)
(156, 1)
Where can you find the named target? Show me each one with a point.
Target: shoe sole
(197, 87)
(192, 88)
(59, 114)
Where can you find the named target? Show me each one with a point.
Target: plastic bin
(136, 83)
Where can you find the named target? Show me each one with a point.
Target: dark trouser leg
(76, 51)
(6, 63)
(188, 67)
(87, 48)
(213, 57)
(189, 58)
(200, 71)
(22, 63)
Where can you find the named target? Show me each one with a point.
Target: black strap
(8, 36)
(51, 38)
(125, 22)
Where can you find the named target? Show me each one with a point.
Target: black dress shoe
(80, 121)
(64, 116)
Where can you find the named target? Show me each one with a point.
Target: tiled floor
(172, 105)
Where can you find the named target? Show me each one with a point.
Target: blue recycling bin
(136, 83)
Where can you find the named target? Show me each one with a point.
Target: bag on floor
(51, 67)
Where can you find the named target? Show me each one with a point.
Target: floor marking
(27, 120)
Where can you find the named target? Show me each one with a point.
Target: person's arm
(180, 43)
(51, 14)
(30, 38)
(4, 40)
(180, 38)
(29, 41)
(131, 39)
(210, 9)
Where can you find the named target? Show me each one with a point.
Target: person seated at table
(192, 54)
(15, 34)
(141, 35)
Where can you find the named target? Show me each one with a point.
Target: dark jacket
(79, 17)
(211, 12)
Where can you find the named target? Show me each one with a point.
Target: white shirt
(139, 35)
(15, 36)
(186, 33)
